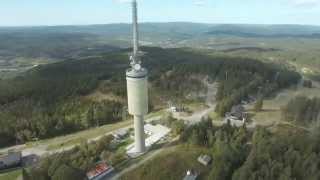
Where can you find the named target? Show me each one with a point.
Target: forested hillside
(51, 100)
(302, 110)
(240, 155)
(66, 41)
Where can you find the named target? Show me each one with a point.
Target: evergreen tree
(65, 172)
(258, 105)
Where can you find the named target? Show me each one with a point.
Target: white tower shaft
(140, 146)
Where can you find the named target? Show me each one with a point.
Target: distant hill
(271, 31)
(171, 30)
(66, 41)
(115, 29)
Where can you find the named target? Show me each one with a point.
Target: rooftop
(155, 132)
(120, 133)
(205, 159)
(99, 170)
(190, 176)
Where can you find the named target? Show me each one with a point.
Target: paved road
(5, 150)
(210, 101)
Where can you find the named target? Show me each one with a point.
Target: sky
(83, 12)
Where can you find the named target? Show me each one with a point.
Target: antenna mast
(135, 55)
(135, 28)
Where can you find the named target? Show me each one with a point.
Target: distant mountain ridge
(179, 28)
(63, 42)
(271, 31)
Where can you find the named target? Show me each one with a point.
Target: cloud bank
(306, 3)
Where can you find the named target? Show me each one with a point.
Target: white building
(120, 134)
(190, 176)
(155, 134)
(204, 159)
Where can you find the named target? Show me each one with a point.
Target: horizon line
(154, 22)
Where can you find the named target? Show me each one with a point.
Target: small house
(204, 160)
(11, 159)
(237, 111)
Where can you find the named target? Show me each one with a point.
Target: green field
(74, 139)
(271, 112)
(303, 54)
(171, 164)
(12, 175)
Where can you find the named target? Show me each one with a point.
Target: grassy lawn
(171, 164)
(12, 175)
(300, 52)
(157, 113)
(123, 145)
(214, 116)
(75, 138)
(196, 106)
(286, 129)
(271, 112)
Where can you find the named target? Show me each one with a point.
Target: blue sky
(74, 12)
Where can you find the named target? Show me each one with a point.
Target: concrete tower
(137, 87)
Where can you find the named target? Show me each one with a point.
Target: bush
(258, 105)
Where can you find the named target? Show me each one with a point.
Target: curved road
(210, 101)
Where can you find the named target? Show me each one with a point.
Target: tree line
(302, 110)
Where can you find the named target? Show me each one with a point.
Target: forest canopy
(49, 100)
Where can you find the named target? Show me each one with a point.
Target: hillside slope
(51, 100)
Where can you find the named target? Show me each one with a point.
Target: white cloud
(195, 2)
(306, 3)
(123, 1)
(199, 2)
(126, 1)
